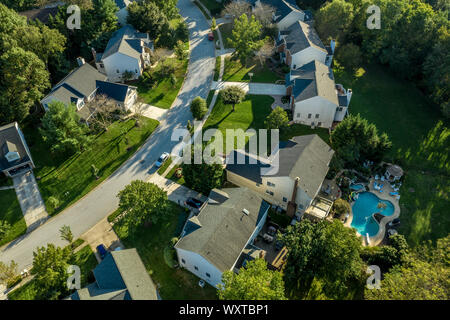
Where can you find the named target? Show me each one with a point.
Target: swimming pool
(363, 209)
(356, 187)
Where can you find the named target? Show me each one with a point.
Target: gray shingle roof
(306, 157)
(225, 228)
(282, 7)
(301, 36)
(313, 79)
(11, 140)
(127, 41)
(120, 276)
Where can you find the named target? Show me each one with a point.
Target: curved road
(100, 202)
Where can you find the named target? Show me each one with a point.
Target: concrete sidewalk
(268, 89)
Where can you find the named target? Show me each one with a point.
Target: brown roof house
(15, 157)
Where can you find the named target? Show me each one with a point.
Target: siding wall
(313, 106)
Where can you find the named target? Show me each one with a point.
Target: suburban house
(122, 14)
(213, 241)
(300, 44)
(303, 164)
(15, 157)
(315, 99)
(120, 276)
(127, 51)
(83, 84)
(286, 12)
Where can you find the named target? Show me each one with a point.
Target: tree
(199, 108)
(329, 252)
(341, 207)
(277, 119)
(101, 108)
(333, 20)
(254, 282)
(142, 203)
(4, 228)
(213, 24)
(202, 177)
(246, 37)
(61, 129)
(180, 50)
(313, 4)
(147, 17)
(50, 271)
(232, 95)
(355, 140)
(265, 52)
(127, 75)
(424, 275)
(66, 234)
(23, 80)
(349, 56)
(264, 14)
(235, 9)
(8, 272)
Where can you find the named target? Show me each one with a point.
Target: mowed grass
(84, 258)
(10, 212)
(164, 93)
(151, 242)
(236, 72)
(70, 179)
(226, 30)
(420, 145)
(250, 113)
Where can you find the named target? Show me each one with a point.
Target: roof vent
(245, 211)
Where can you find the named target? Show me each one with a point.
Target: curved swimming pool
(363, 209)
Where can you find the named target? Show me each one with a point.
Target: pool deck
(378, 238)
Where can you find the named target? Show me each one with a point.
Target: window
(117, 71)
(309, 115)
(102, 65)
(300, 206)
(312, 123)
(298, 115)
(284, 199)
(135, 71)
(195, 267)
(319, 124)
(208, 275)
(295, 66)
(270, 184)
(317, 116)
(340, 109)
(258, 185)
(269, 192)
(182, 260)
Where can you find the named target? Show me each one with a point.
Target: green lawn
(235, 72)
(226, 31)
(164, 93)
(420, 144)
(251, 113)
(217, 69)
(84, 258)
(302, 130)
(171, 176)
(164, 166)
(70, 179)
(10, 211)
(151, 243)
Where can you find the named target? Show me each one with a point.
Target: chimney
(94, 54)
(333, 45)
(80, 61)
(349, 96)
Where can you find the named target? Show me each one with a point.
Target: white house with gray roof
(303, 164)
(315, 98)
(127, 51)
(212, 241)
(300, 44)
(285, 13)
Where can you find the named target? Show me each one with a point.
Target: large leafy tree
(232, 95)
(254, 282)
(147, 17)
(62, 130)
(19, 5)
(425, 275)
(326, 251)
(313, 4)
(246, 36)
(23, 80)
(277, 119)
(387, 256)
(50, 271)
(142, 203)
(334, 19)
(356, 140)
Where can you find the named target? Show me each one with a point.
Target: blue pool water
(356, 187)
(363, 208)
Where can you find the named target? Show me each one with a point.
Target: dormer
(10, 152)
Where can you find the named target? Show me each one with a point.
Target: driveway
(102, 201)
(30, 200)
(268, 89)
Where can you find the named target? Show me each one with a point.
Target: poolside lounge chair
(397, 197)
(393, 193)
(377, 177)
(382, 178)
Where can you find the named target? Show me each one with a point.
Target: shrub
(198, 108)
(52, 203)
(341, 207)
(174, 241)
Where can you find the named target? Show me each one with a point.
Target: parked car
(162, 159)
(101, 250)
(195, 203)
(210, 36)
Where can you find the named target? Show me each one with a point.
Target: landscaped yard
(84, 258)
(420, 144)
(235, 72)
(70, 179)
(10, 212)
(152, 243)
(171, 176)
(226, 31)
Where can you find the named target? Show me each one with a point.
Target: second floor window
(309, 115)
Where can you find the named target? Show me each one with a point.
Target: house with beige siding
(302, 164)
